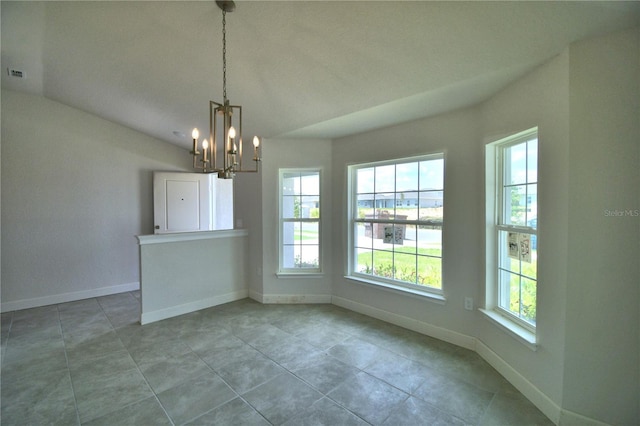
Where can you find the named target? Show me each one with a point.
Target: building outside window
(300, 220)
(512, 237)
(396, 221)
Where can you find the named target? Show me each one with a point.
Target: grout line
(66, 357)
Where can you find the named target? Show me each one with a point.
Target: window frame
(436, 294)
(284, 271)
(496, 223)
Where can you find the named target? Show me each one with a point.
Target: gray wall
(291, 154)
(76, 189)
(602, 355)
(539, 99)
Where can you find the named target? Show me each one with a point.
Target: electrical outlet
(468, 303)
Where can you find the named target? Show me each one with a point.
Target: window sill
(432, 297)
(299, 274)
(521, 334)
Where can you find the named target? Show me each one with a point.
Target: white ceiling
(299, 69)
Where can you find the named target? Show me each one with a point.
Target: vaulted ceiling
(298, 68)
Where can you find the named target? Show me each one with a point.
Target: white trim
(528, 389)
(510, 327)
(569, 418)
(190, 236)
(440, 333)
(173, 311)
(255, 295)
(286, 275)
(67, 297)
(407, 291)
(295, 298)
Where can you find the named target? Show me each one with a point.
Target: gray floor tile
(282, 398)
(245, 374)
(369, 398)
(234, 413)
(470, 367)
(414, 412)
(202, 340)
(174, 371)
(513, 409)
(145, 412)
(326, 412)
(322, 336)
(357, 352)
(403, 373)
(88, 368)
(290, 353)
(43, 399)
(196, 397)
(86, 333)
(296, 326)
(34, 342)
(300, 364)
(23, 364)
(97, 396)
(90, 344)
(135, 335)
(455, 397)
(148, 353)
(325, 372)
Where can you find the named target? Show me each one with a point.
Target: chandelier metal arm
(226, 133)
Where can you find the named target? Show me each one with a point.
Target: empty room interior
(320, 212)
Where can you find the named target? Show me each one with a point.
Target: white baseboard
(440, 333)
(55, 299)
(289, 298)
(569, 418)
(174, 311)
(528, 389)
(255, 296)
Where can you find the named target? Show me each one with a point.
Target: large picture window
(396, 222)
(513, 252)
(300, 220)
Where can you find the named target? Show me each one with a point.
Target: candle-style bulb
(256, 141)
(205, 144)
(195, 134)
(232, 132)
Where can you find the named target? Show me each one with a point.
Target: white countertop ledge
(190, 236)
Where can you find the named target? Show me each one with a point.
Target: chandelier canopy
(225, 125)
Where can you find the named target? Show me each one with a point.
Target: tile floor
(91, 363)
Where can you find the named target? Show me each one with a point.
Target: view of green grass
(401, 265)
(523, 288)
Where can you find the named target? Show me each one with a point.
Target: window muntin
(300, 220)
(396, 222)
(516, 227)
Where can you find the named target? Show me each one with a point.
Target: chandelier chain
(224, 55)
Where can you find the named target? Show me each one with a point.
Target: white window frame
(282, 270)
(495, 223)
(433, 293)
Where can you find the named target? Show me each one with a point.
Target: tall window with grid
(300, 220)
(516, 228)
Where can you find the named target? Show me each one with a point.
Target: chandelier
(222, 127)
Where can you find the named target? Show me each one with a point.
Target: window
(300, 220)
(512, 207)
(396, 221)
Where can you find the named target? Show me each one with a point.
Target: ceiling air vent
(12, 72)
